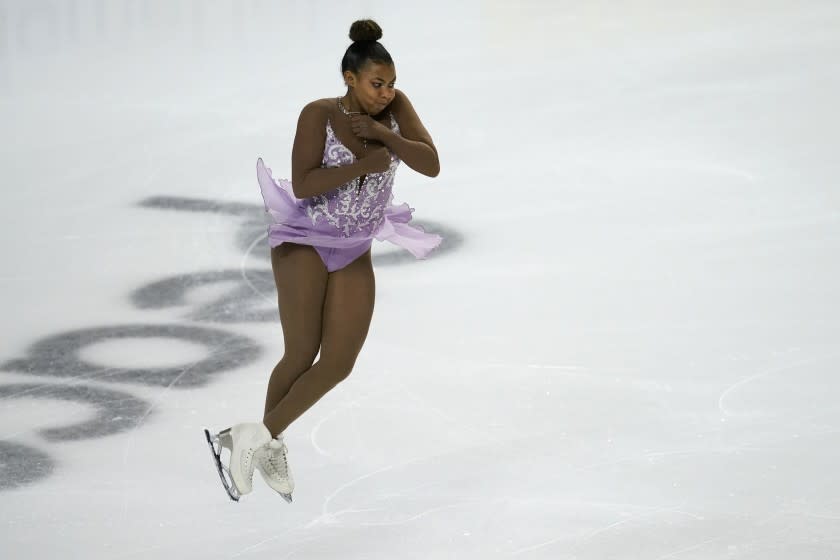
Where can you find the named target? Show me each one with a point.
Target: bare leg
(348, 309)
(301, 280)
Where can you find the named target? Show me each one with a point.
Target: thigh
(348, 309)
(301, 280)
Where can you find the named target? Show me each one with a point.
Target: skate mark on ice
(345, 406)
(300, 545)
(672, 453)
(326, 516)
(813, 515)
(413, 517)
(255, 546)
(723, 396)
(354, 404)
(313, 434)
(480, 435)
(141, 551)
(689, 548)
(596, 532)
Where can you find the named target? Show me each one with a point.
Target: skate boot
(273, 464)
(242, 441)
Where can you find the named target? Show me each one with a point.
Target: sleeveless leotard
(342, 223)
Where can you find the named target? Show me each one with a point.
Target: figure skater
(346, 151)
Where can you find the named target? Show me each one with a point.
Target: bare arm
(308, 177)
(414, 144)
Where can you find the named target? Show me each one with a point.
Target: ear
(349, 78)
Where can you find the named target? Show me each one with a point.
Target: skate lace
(277, 461)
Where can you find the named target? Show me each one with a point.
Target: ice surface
(626, 349)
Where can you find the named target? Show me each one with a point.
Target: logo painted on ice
(250, 298)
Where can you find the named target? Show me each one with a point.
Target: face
(373, 86)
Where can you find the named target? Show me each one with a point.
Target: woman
(345, 153)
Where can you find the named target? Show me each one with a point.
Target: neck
(350, 103)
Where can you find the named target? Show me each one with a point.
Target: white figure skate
(273, 464)
(242, 441)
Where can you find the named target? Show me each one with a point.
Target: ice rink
(627, 347)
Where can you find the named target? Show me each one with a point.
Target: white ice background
(628, 349)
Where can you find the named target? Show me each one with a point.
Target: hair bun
(365, 30)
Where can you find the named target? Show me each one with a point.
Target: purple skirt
(290, 222)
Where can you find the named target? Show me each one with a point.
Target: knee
(339, 368)
(300, 359)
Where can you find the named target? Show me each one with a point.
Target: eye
(377, 85)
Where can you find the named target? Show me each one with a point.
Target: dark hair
(365, 34)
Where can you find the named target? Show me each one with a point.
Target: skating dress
(342, 223)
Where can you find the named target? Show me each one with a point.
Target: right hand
(377, 160)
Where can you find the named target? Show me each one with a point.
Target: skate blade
(287, 497)
(230, 488)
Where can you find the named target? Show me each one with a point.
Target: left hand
(366, 127)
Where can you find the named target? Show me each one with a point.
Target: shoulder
(400, 101)
(315, 113)
(323, 104)
(313, 118)
(401, 107)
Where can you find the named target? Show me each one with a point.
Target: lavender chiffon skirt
(290, 222)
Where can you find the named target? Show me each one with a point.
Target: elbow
(435, 165)
(435, 170)
(300, 193)
(299, 187)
